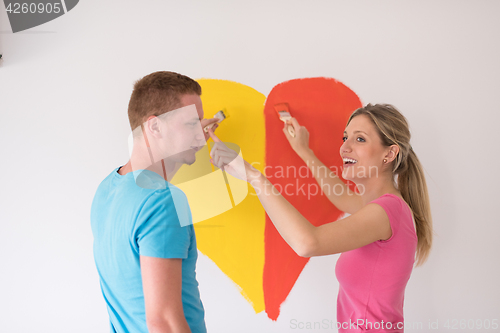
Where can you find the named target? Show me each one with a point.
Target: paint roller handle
(299, 142)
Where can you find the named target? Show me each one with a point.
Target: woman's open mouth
(349, 162)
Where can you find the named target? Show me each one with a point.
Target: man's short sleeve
(162, 230)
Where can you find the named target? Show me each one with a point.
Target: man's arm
(162, 285)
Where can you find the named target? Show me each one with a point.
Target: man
(144, 240)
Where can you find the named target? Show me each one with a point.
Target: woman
(390, 225)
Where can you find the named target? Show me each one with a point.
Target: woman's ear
(392, 154)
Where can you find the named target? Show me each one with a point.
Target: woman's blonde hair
(393, 129)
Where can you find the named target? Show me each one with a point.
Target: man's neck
(166, 170)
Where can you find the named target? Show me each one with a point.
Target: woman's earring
(385, 160)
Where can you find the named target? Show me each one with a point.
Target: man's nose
(200, 137)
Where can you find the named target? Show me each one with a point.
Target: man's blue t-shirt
(135, 214)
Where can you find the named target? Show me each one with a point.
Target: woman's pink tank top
(373, 278)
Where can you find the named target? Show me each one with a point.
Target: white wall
(64, 90)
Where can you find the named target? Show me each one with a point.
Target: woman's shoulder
(399, 197)
(394, 195)
(395, 200)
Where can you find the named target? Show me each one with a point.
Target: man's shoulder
(172, 201)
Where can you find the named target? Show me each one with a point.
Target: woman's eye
(345, 138)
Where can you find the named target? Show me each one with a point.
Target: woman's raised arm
(367, 225)
(347, 201)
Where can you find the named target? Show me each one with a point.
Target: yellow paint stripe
(234, 240)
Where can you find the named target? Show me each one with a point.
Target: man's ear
(152, 127)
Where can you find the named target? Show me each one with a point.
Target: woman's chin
(347, 173)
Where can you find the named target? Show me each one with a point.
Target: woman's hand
(205, 122)
(228, 160)
(299, 143)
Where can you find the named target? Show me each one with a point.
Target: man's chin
(186, 157)
(190, 159)
(190, 162)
